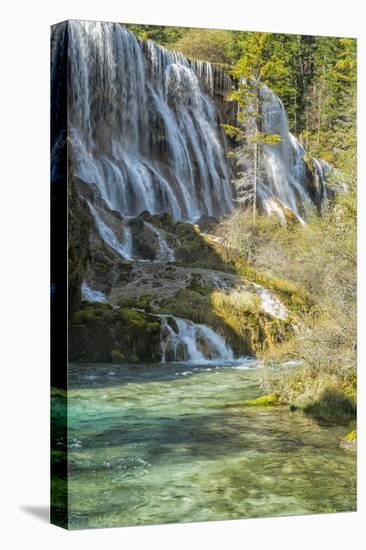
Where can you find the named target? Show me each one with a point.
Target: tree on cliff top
(208, 45)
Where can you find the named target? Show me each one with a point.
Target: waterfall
(284, 164)
(124, 248)
(270, 304)
(91, 295)
(144, 127)
(142, 123)
(183, 340)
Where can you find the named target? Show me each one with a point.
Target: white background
(24, 272)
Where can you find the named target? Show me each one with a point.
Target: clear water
(173, 443)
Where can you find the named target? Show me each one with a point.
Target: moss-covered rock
(140, 302)
(312, 181)
(99, 334)
(263, 401)
(90, 311)
(145, 241)
(195, 249)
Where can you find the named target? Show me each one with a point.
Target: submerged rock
(349, 443)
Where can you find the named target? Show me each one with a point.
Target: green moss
(83, 316)
(133, 317)
(142, 302)
(190, 303)
(263, 401)
(90, 312)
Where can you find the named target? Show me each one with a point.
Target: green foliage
(207, 44)
(313, 270)
(237, 134)
(265, 57)
(315, 76)
(163, 35)
(266, 139)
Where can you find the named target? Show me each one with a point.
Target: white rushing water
(183, 340)
(270, 304)
(90, 295)
(143, 125)
(284, 164)
(124, 248)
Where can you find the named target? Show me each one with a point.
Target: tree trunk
(257, 122)
(255, 178)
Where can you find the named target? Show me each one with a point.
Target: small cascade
(166, 253)
(321, 169)
(183, 340)
(270, 304)
(284, 165)
(90, 295)
(212, 76)
(124, 248)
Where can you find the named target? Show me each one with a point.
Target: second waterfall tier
(183, 340)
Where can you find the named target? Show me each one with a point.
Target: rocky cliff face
(79, 227)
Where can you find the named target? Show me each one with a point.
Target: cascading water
(284, 164)
(124, 248)
(142, 124)
(92, 295)
(269, 303)
(183, 340)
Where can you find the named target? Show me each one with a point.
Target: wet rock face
(207, 223)
(79, 227)
(145, 242)
(98, 333)
(312, 181)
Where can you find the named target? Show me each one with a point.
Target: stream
(164, 443)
